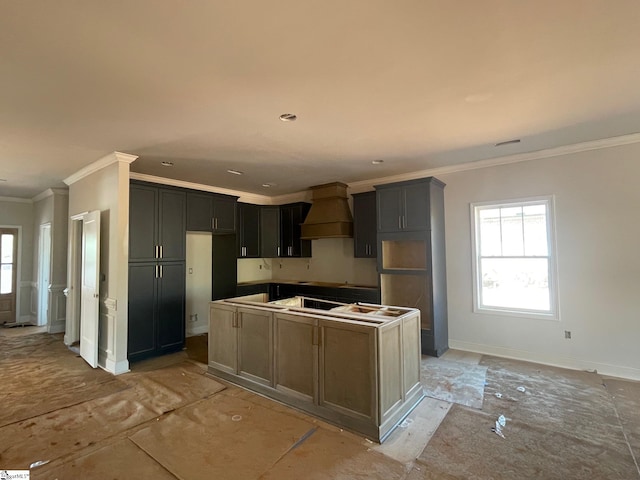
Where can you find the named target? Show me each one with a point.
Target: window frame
(554, 312)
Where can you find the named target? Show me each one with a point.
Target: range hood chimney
(330, 216)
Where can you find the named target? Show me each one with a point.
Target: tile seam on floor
(298, 442)
(624, 433)
(153, 459)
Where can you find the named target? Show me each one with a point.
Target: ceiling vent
(330, 216)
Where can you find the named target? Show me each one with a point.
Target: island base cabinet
(241, 342)
(296, 356)
(361, 374)
(255, 345)
(347, 370)
(223, 338)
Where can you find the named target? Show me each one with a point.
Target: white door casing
(90, 288)
(44, 272)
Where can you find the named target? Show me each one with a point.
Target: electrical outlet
(567, 334)
(190, 270)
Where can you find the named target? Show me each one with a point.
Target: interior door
(90, 301)
(8, 272)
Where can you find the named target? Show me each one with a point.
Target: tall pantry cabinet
(157, 237)
(411, 255)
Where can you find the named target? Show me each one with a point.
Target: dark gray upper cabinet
(269, 231)
(156, 223)
(248, 235)
(364, 225)
(405, 206)
(291, 217)
(208, 212)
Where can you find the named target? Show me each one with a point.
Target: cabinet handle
(161, 251)
(216, 223)
(157, 270)
(213, 226)
(161, 271)
(399, 222)
(155, 251)
(404, 221)
(278, 251)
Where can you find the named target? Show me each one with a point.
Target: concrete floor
(167, 419)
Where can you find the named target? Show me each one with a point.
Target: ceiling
(418, 84)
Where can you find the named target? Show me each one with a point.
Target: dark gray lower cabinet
(156, 309)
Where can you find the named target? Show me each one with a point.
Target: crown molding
(243, 196)
(365, 185)
(16, 200)
(50, 192)
(99, 165)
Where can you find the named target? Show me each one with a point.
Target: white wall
(198, 283)
(52, 207)
(19, 213)
(596, 200)
(332, 261)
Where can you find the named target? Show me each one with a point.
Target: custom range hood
(330, 216)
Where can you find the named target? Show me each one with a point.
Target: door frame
(75, 269)
(18, 318)
(44, 266)
(74, 277)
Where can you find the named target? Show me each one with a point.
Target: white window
(514, 262)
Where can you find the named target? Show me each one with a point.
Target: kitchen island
(354, 365)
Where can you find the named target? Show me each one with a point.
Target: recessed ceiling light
(267, 185)
(167, 164)
(235, 172)
(508, 142)
(377, 162)
(288, 117)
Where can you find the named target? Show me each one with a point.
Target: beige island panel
(354, 365)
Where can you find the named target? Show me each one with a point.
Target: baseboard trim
(57, 327)
(199, 330)
(117, 368)
(562, 361)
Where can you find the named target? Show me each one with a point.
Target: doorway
(198, 294)
(83, 285)
(44, 274)
(8, 274)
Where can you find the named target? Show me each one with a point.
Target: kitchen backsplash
(332, 261)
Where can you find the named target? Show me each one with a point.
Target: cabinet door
(296, 356)
(143, 221)
(199, 212)
(223, 338)
(269, 232)
(248, 230)
(286, 235)
(224, 214)
(364, 225)
(224, 266)
(141, 330)
(389, 201)
(347, 370)
(171, 298)
(416, 207)
(299, 247)
(255, 345)
(172, 225)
